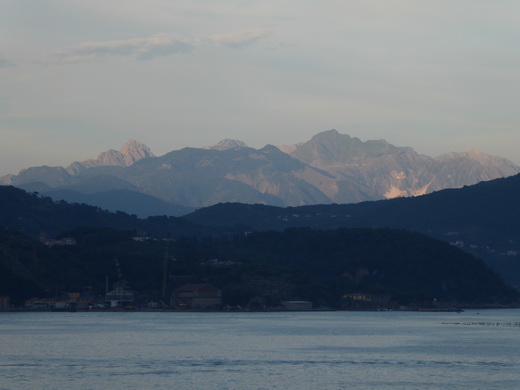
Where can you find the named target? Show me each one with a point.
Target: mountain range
(329, 168)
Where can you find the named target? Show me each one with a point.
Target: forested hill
(296, 264)
(261, 269)
(484, 214)
(408, 266)
(32, 214)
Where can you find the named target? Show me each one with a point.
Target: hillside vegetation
(252, 268)
(482, 219)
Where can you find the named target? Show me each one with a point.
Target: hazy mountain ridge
(55, 177)
(329, 168)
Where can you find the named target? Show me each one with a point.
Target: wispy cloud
(139, 48)
(239, 39)
(155, 46)
(5, 63)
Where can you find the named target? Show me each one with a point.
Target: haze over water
(307, 350)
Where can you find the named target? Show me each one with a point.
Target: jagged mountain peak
(227, 144)
(134, 151)
(131, 152)
(331, 147)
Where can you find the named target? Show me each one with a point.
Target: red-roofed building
(197, 297)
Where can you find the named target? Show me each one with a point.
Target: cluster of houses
(186, 297)
(66, 241)
(191, 296)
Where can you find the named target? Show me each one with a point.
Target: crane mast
(165, 268)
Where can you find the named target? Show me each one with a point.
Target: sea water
(300, 350)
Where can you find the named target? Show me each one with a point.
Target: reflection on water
(311, 350)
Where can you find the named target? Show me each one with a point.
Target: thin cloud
(5, 63)
(239, 39)
(155, 46)
(139, 48)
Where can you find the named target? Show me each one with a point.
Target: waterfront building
(196, 297)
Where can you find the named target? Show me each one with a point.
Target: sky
(79, 77)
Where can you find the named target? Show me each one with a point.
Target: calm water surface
(313, 350)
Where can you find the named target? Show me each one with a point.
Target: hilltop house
(196, 297)
(66, 241)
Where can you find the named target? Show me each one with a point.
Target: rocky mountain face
(227, 144)
(375, 170)
(203, 177)
(329, 168)
(57, 177)
(131, 152)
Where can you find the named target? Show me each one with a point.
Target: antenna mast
(165, 267)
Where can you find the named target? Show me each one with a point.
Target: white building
(119, 297)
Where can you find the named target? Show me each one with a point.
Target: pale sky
(78, 77)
